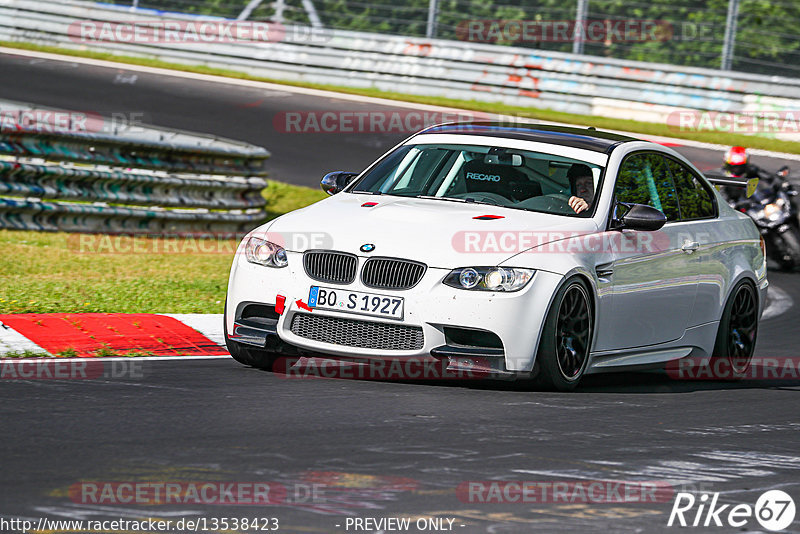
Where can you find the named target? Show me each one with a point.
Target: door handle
(690, 246)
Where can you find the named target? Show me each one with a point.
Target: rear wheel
(736, 337)
(566, 338)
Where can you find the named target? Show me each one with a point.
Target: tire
(738, 330)
(251, 357)
(790, 242)
(566, 340)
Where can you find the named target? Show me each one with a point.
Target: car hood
(436, 232)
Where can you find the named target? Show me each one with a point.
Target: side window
(644, 179)
(695, 200)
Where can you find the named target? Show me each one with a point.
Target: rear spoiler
(720, 180)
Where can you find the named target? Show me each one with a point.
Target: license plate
(325, 298)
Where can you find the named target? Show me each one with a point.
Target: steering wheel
(559, 201)
(553, 202)
(485, 196)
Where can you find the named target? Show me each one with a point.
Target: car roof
(584, 138)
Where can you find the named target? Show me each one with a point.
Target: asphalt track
(249, 114)
(377, 449)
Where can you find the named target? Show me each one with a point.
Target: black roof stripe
(584, 138)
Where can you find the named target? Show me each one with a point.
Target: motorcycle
(773, 207)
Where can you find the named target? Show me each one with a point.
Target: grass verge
(67, 273)
(283, 198)
(72, 353)
(643, 128)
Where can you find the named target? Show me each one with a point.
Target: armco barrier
(66, 217)
(465, 70)
(155, 183)
(120, 187)
(104, 149)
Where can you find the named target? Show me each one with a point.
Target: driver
(581, 183)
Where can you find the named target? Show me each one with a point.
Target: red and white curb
(160, 336)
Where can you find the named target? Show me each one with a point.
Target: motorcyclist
(737, 165)
(773, 205)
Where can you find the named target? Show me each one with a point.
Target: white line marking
(120, 358)
(345, 96)
(778, 302)
(222, 79)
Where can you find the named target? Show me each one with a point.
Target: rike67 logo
(774, 510)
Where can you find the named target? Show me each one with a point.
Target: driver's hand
(578, 204)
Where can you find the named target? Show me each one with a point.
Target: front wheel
(736, 337)
(566, 338)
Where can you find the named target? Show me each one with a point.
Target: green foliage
(283, 198)
(767, 33)
(690, 32)
(25, 354)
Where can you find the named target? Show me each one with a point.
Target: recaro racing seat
(503, 180)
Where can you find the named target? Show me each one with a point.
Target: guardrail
(471, 71)
(120, 187)
(97, 182)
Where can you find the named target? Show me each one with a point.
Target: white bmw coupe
(531, 250)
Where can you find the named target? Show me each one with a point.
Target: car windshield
(484, 174)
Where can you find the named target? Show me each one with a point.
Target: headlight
(773, 211)
(265, 253)
(468, 278)
(489, 278)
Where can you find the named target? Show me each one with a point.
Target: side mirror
(639, 217)
(333, 182)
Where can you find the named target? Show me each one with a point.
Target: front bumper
(461, 361)
(516, 318)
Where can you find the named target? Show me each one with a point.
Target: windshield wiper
(431, 197)
(467, 200)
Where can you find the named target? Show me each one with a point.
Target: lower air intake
(355, 333)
